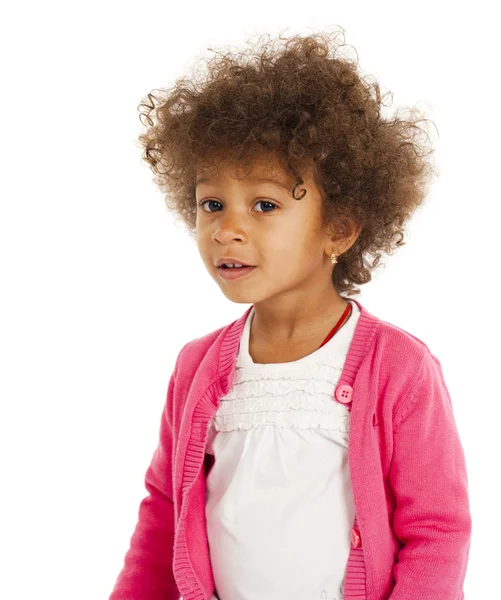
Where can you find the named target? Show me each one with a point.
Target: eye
(258, 202)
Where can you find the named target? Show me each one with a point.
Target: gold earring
(333, 258)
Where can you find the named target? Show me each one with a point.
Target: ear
(344, 233)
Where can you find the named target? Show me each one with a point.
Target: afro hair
(294, 97)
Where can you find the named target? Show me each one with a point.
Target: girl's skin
(296, 304)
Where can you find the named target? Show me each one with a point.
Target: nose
(228, 230)
(226, 236)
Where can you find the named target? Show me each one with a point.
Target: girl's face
(261, 224)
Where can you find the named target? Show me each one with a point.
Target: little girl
(307, 450)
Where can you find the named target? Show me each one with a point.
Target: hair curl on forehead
(299, 100)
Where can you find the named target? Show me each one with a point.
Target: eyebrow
(253, 179)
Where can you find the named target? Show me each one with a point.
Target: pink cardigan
(411, 534)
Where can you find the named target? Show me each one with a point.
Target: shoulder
(405, 368)
(401, 358)
(400, 343)
(192, 353)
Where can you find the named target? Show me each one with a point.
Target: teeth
(233, 265)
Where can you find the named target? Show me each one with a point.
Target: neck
(297, 320)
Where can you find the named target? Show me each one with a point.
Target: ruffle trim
(310, 385)
(299, 419)
(294, 400)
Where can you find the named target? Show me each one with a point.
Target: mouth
(223, 262)
(231, 268)
(234, 272)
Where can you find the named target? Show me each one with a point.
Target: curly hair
(308, 107)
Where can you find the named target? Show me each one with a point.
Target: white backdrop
(100, 290)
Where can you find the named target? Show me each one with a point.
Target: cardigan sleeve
(428, 475)
(147, 571)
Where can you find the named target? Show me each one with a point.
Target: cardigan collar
(223, 352)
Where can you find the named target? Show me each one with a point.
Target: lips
(232, 261)
(229, 268)
(230, 273)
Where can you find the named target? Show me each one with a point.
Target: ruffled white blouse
(279, 504)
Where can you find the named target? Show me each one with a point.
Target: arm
(428, 475)
(147, 571)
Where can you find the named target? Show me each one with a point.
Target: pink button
(355, 538)
(344, 394)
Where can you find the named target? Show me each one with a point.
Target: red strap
(338, 324)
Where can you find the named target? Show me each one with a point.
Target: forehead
(264, 168)
(260, 170)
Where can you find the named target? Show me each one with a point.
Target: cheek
(295, 241)
(203, 248)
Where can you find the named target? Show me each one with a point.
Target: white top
(279, 504)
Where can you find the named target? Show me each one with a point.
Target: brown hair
(307, 107)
